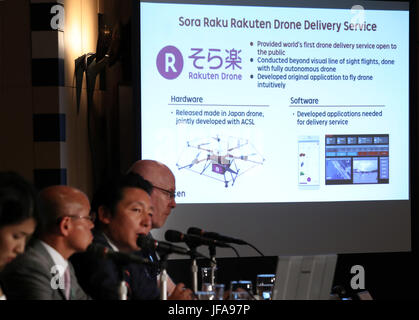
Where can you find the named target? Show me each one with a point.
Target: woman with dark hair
(18, 216)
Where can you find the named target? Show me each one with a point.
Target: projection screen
(285, 123)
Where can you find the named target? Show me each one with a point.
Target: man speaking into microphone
(124, 212)
(162, 195)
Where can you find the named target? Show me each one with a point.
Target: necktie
(67, 283)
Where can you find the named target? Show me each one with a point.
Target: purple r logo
(170, 62)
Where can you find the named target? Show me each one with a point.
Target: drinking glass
(264, 286)
(205, 295)
(219, 291)
(207, 278)
(241, 290)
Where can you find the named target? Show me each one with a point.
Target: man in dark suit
(162, 197)
(43, 272)
(124, 211)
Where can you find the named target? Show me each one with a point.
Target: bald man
(44, 272)
(162, 196)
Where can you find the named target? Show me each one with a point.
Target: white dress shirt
(113, 246)
(57, 258)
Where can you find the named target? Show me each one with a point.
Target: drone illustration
(221, 159)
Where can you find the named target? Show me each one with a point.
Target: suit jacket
(101, 277)
(30, 277)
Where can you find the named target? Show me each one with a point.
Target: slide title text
(244, 23)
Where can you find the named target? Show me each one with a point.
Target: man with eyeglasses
(44, 271)
(124, 212)
(162, 195)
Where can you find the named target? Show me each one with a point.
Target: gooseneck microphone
(219, 237)
(164, 247)
(192, 240)
(118, 257)
(215, 236)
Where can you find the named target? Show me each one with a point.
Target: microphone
(214, 236)
(192, 240)
(118, 257)
(164, 247)
(219, 237)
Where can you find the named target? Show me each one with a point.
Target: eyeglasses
(171, 194)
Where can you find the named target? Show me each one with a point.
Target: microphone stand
(194, 269)
(163, 277)
(212, 251)
(123, 288)
(123, 291)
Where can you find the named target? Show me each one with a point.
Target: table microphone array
(214, 236)
(197, 237)
(193, 240)
(164, 248)
(222, 238)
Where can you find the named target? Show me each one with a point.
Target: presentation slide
(263, 104)
(285, 123)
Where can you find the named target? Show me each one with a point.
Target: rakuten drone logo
(170, 62)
